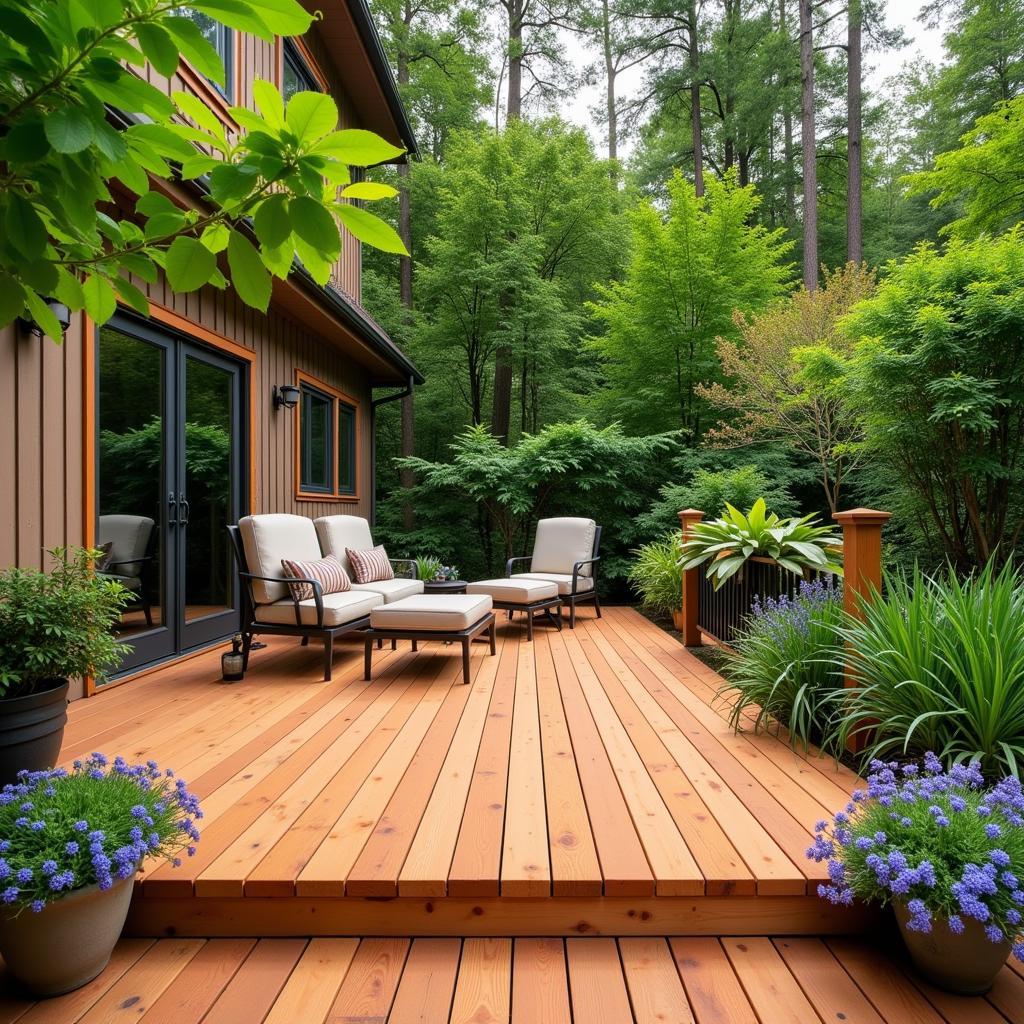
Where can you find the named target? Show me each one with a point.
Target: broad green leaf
(130, 294)
(163, 225)
(12, 299)
(153, 203)
(315, 226)
(272, 222)
(44, 317)
(25, 143)
(269, 102)
(215, 237)
(318, 267)
(239, 15)
(357, 147)
(163, 140)
(230, 183)
(158, 45)
(69, 290)
(139, 265)
(195, 47)
(199, 112)
(249, 120)
(369, 190)
(100, 13)
(69, 129)
(130, 93)
(197, 166)
(20, 27)
(188, 264)
(39, 274)
(249, 277)
(100, 301)
(311, 116)
(278, 259)
(371, 230)
(25, 228)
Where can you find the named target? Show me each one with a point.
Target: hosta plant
(94, 825)
(945, 845)
(797, 545)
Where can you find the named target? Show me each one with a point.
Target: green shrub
(657, 576)
(939, 665)
(782, 666)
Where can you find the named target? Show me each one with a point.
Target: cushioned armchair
(339, 533)
(260, 543)
(565, 552)
(131, 557)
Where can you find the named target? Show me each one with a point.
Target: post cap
(862, 516)
(691, 513)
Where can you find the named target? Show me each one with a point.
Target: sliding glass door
(170, 473)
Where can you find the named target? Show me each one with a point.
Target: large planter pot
(31, 729)
(69, 942)
(966, 964)
(677, 619)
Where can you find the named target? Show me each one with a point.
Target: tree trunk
(514, 105)
(807, 138)
(609, 74)
(854, 158)
(788, 155)
(501, 408)
(406, 477)
(698, 137)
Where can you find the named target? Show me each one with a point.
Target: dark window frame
(338, 443)
(347, 483)
(293, 57)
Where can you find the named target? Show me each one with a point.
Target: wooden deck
(648, 980)
(586, 783)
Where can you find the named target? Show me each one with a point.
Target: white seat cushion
(337, 533)
(339, 608)
(563, 580)
(392, 590)
(515, 591)
(267, 539)
(442, 613)
(561, 543)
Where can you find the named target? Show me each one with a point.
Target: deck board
(593, 764)
(649, 980)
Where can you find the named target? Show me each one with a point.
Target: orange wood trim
(691, 584)
(88, 449)
(301, 377)
(311, 62)
(176, 321)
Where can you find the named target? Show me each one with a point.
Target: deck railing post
(691, 584)
(862, 568)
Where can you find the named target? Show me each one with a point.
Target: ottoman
(529, 596)
(447, 617)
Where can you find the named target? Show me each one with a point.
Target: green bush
(782, 666)
(657, 576)
(939, 665)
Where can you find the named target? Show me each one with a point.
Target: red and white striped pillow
(328, 572)
(370, 566)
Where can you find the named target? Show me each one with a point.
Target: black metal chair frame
(251, 626)
(145, 563)
(575, 596)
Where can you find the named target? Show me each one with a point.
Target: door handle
(184, 506)
(172, 510)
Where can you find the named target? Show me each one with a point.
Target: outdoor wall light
(59, 310)
(286, 396)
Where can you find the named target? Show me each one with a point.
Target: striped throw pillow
(328, 572)
(370, 566)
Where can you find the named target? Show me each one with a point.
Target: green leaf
(12, 299)
(25, 228)
(25, 143)
(153, 203)
(311, 116)
(249, 276)
(371, 230)
(369, 190)
(44, 317)
(139, 265)
(313, 223)
(69, 290)
(158, 45)
(100, 301)
(272, 222)
(162, 225)
(215, 237)
(69, 129)
(130, 294)
(188, 264)
(269, 102)
(357, 147)
(163, 140)
(195, 47)
(198, 111)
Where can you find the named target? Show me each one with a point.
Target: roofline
(360, 11)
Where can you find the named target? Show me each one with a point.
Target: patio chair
(565, 552)
(270, 607)
(338, 534)
(130, 539)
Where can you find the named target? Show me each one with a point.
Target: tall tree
(854, 156)
(808, 141)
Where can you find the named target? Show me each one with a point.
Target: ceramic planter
(966, 964)
(69, 942)
(31, 730)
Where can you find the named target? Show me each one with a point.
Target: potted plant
(72, 843)
(53, 625)
(798, 545)
(431, 570)
(946, 850)
(657, 576)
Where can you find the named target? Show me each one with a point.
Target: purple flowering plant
(943, 842)
(63, 830)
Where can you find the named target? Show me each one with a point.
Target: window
(328, 460)
(222, 39)
(296, 75)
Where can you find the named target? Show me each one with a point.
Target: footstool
(431, 617)
(529, 596)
